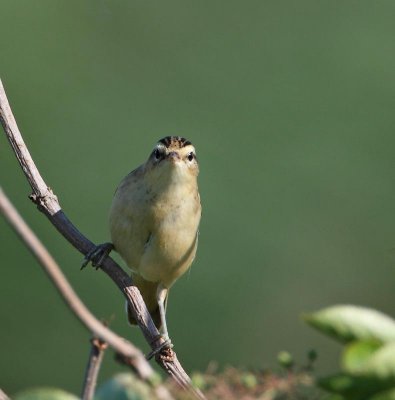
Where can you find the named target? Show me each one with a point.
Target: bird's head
(173, 159)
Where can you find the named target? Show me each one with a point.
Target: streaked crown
(175, 142)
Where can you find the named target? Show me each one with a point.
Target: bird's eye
(157, 154)
(190, 156)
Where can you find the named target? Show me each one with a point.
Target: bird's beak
(173, 156)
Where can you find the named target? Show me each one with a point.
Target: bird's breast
(171, 246)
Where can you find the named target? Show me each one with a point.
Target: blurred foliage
(45, 394)
(285, 359)
(124, 387)
(297, 383)
(229, 384)
(291, 108)
(237, 384)
(347, 323)
(368, 358)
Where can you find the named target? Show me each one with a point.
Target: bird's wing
(129, 231)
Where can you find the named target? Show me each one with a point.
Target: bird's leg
(161, 295)
(97, 255)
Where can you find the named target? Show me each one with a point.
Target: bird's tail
(148, 291)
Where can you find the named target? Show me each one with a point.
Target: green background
(290, 105)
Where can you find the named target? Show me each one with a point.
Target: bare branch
(92, 369)
(134, 356)
(48, 203)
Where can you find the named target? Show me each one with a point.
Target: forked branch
(48, 203)
(92, 369)
(134, 356)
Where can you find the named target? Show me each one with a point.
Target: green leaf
(198, 380)
(357, 354)
(369, 371)
(381, 364)
(388, 395)
(347, 323)
(285, 359)
(352, 387)
(374, 374)
(124, 387)
(249, 380)
(339, 383)
(45, 394)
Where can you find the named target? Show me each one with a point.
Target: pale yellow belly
(168, 254)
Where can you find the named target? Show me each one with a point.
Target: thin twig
(48, 203)
(134, 356)
(53, 271)
(92, 369)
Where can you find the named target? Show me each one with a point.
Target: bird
(154, 221)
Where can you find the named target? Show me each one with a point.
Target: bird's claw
(166, 345)
(97, 255)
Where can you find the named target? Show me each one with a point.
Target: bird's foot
(97, 255)
(166, 345)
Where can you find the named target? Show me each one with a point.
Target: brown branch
(92, 369)
(134, 356)
(48, 203)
